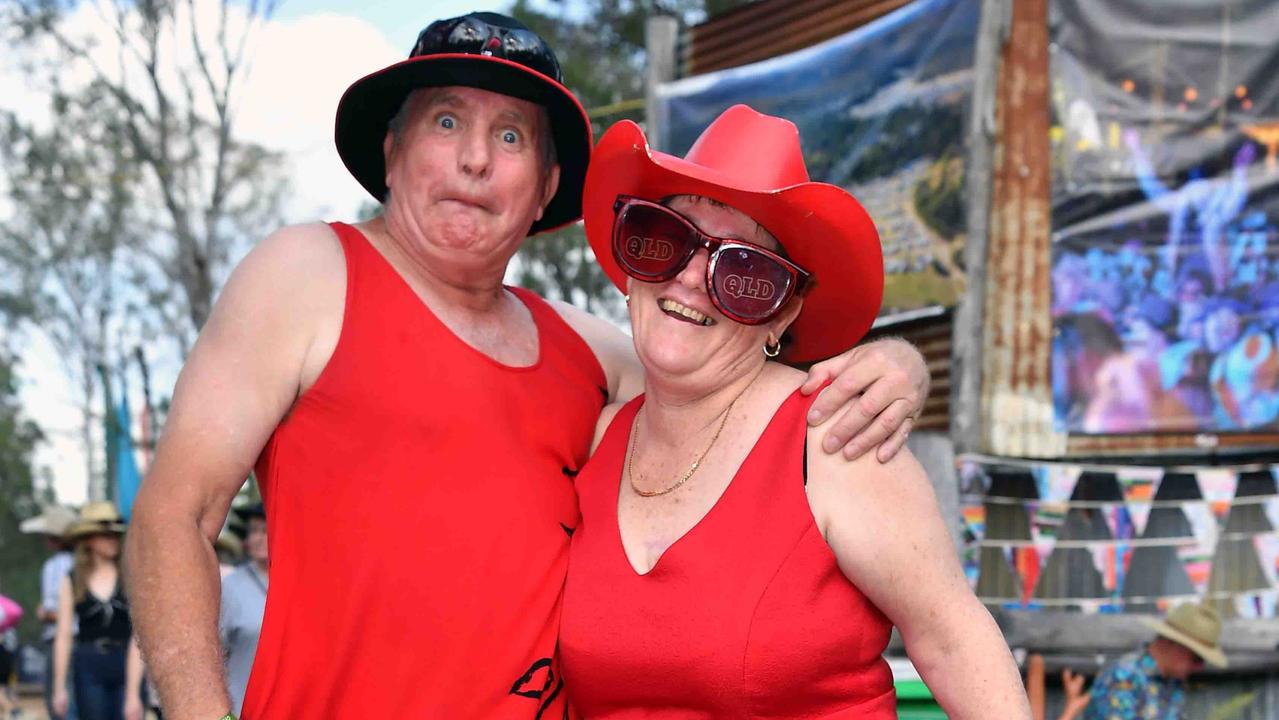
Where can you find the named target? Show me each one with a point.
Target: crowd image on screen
(1176, 335)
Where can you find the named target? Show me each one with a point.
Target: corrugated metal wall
(932, 336)
(762, 30)
(1016, 391)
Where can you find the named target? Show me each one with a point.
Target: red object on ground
(746, 615)
(419, 508)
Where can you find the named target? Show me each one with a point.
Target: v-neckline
(621, 544)
(115, 586)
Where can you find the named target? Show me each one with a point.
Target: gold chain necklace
(630, 459)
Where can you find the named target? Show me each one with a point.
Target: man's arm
(264, 338)
(882, 384)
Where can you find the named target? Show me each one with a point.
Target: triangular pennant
(974, 517)
(1217, 486)
(1138, 486)
(1057, 482)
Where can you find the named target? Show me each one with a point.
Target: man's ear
(549, 187)
(388, 150)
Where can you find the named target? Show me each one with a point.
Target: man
(52, 524)
(1149, 684)
(244, 601)
(415, 424)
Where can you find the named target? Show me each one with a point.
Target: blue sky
(399, 20)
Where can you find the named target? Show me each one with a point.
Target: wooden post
(661, 34)
(1035, 685)
(965, 399)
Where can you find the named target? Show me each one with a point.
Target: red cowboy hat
(752, 162)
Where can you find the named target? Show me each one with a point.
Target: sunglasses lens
(650, 244)
(750, 284)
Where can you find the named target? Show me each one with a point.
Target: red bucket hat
(483, 50)
(753, 163)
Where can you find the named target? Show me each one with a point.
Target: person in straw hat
(52, 523)
(725, 567)
(1150, 684)
(107, 676)
(393, 393)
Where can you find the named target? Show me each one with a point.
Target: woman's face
(105, 545)
(669, 319)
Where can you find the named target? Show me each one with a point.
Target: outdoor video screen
(1165, 264)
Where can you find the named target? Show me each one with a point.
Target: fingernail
(830, 444)
(814, 416)
(852, 451)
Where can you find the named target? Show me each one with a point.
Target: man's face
(467, 175)
(1182, 662)
(255, 545)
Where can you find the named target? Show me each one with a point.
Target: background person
(107, 665)
(1150, 684)
(244, 602)
(53, 524)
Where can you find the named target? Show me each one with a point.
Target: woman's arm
(883, 524)
(133, 670)
(62, 646)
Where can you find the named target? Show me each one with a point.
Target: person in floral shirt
(1150, 684)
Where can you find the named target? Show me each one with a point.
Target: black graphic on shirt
(540, 683)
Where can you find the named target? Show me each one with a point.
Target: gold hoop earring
(772, 348)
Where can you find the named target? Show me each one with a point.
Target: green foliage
(23, 554)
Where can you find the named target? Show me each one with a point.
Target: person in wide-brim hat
(707, 518)
(752, 162)
(483, 50)
(1195, 627)
(53, 522)
(97, 518)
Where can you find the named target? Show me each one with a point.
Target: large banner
(881, 111)
(1165, 195)
(1111, 539)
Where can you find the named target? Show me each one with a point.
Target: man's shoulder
(291, 266)
(303, 243)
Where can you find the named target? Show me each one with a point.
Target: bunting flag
(1061, 536)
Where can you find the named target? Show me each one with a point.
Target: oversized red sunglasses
(746, 283)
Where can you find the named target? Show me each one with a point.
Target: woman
(107, 677)
(724, 566)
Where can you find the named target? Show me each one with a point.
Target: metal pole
(965, 401)
(661, 34)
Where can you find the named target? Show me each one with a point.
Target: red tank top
(419, 508)
(746, 616)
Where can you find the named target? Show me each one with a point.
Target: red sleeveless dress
(419, 508)
(746, 616)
